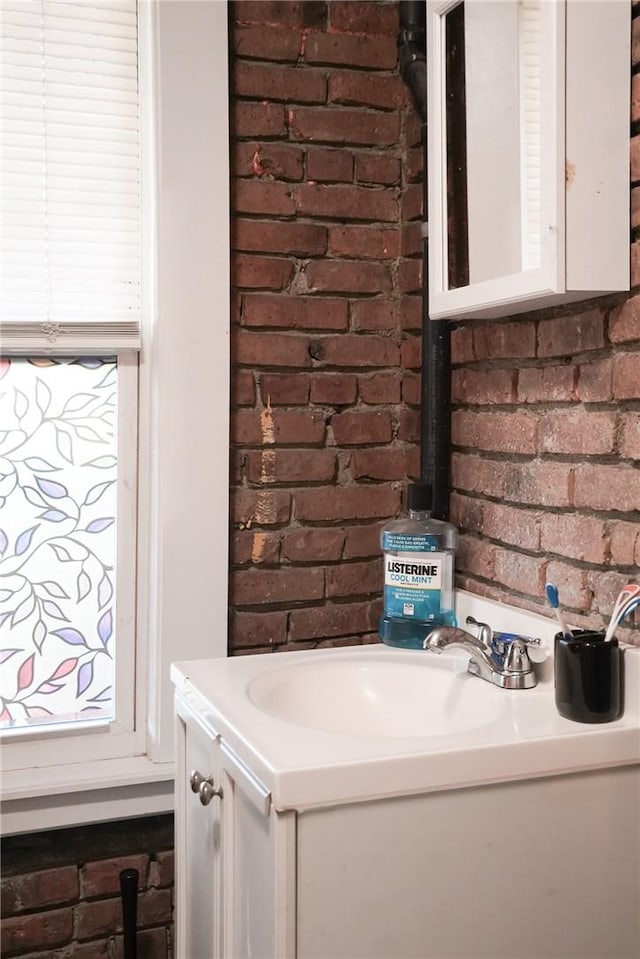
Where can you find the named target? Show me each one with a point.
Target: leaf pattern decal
(57, 539)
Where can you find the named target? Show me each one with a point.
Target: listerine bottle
(419, 554)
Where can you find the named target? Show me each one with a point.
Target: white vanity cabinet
(485, 860)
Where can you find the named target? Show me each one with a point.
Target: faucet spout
(500, 668)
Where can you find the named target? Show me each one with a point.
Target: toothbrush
(554, 603)
(628, 600)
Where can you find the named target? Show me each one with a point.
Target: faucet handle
(517, 658)
(485, 633)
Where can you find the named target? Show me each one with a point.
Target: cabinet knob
(196, 779)
(208, 791)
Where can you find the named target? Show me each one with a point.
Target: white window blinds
(70, 172)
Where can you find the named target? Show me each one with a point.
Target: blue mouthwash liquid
(419, 555)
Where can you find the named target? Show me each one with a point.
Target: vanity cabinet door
(198, 840)
(258, 876)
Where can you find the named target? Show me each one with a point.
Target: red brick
(411, 353)
(526, 574)
(462, 347)
(277, 161)
(355, 16)
(478, 475)
(262, 197)
(568, 335)
(274, 82)
(377, 465)
(257, 119)
(329, 165)
(366, 242)
(347, 276)
(38, 931)
(546, 385)
(261, 272)
(577, 537)
(411, 202)
(154, 907)
(270, 349)
(505, 341)
(273, 236)
(266, 43)
(412, 319)
(379, 53)
(624, 544)
(313, 545)
(355, 351)
(409, 426)
(477, 555)
(260, 507)
(99, 917)
(539, 483)
(368, 89)
(285, 389)
(362, 541)
(309, 13)
(411, 242)
(259, 629)
(412, 389)
(378, 314)
(292, 466)
(595, 381)
(577, 431)
(378, 168)
(287, 427)
(336, 389)
(243, 389)
(502, 432)
(356, 428)
(482, 387)
(295, 312)
(635, 158)
(344, 126)
(626, 376)
(261, 587)
(635, 42)
(635, 98)
(348, 503)
(345, 202)
(518, 527)
(255, 546)
(466, 513)
(379, 388)
(611, 488)
(635, 264)
(46, 887)
(410, 276)
(342, 619)
(624, 322)
(630, 436)
(635, 208)
(414, 164)
(102, 878)
(354, 579)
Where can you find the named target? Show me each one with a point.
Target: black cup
(588, 677)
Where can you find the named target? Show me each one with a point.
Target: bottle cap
(420, 496)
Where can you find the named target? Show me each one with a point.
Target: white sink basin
(413, 695)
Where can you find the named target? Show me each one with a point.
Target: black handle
(129, 896)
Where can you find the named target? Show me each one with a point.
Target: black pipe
(129, 897)
(435, 447)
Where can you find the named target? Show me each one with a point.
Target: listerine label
(412, 585)
(410, 542)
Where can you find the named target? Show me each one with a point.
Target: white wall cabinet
(528, 153)
(516, 870)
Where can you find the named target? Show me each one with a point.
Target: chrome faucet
(500, 658)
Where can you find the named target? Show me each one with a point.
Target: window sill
(80, 793)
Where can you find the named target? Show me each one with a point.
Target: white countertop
(304, 767)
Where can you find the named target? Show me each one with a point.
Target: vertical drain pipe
(436, 336)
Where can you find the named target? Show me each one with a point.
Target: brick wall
(61, 890)
(326, 200)
(546, 434)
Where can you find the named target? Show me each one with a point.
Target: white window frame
(183, 472)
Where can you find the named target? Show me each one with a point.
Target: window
(170, 543)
